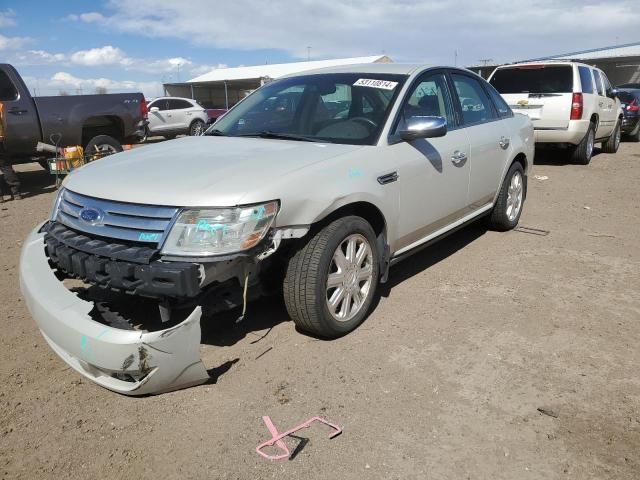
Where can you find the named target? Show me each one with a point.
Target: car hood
(198, 171)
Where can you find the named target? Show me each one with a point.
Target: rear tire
(331, 282)
(584, 151)
(102, 145)
(508, 207)
(197, 128)
(634, 136)
(613, 142)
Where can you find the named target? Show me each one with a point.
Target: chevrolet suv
(570, 104)
(355, 168)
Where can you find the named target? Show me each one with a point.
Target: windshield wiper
(217, 133)
(283, 136)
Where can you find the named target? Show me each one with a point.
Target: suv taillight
(633, 107)
(144, 110)
(576, 107)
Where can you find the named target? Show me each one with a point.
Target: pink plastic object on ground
(276, 438)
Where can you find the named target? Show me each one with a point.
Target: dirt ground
(443, 381)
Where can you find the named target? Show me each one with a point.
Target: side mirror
(614, 92)
(423, 127)
(154, 109)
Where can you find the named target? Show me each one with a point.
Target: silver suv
(313, 186)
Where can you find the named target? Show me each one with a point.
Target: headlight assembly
(216, 231)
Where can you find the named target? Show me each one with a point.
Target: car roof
(388, 68)
(545, 62)
(174, 98)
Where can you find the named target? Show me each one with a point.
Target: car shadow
(223, 329)
(557, 156)
(37, 181)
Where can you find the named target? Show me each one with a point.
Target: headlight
(203, 232)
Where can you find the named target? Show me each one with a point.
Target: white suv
(570, 104)
(171, 116)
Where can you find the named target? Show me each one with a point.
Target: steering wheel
(367, 122)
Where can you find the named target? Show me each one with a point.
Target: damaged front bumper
(129, 362)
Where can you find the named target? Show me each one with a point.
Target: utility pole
(308, 53)
(455, 57)
(179, 72)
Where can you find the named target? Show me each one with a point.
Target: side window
(7, 91)
(175, 104)
(599, 84)
(161, 104)
(474, 102)
(585, 80)
(429, 97)
(501, 106)
(607, 84)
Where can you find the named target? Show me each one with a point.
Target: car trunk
(543, 92)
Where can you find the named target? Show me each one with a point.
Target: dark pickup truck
(99, 123)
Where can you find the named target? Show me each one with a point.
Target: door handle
(17, 111)
(458, 158)
(504, 143)
(600, 104)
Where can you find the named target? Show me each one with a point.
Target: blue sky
(126, 45)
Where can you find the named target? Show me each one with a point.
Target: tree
(63, 93)
(101, 90)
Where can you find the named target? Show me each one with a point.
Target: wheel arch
(102, 125)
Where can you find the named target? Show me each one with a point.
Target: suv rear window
(534, 79)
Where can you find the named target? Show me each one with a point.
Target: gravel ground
(445, 380)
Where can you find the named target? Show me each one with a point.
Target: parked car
(99, 123)
(571, 104)
(171, 116)
(630, 105)
(214, 114)
(630, 85)
(318, 205)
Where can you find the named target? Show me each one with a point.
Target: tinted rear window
(628, 97)
(547, 79)
(585, 79)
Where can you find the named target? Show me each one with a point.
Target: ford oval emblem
(91, 215)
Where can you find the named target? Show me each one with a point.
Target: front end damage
(130, 362)
(126, 358)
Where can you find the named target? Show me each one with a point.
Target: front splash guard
(126, 361)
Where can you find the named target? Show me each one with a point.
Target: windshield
(533, 79)
(348, 108)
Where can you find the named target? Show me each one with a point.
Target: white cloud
(64, 81)
(405, 29)
(13, 43)
(7, 18)
(37, 57)
(106, 55)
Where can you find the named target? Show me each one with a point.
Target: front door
(158, 120)
(433, 173)
(606, 111)
(21, 124)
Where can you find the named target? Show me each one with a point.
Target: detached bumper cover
(125, 361)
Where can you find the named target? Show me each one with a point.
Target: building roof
(625, 50)
(281, 69)
(392, 68)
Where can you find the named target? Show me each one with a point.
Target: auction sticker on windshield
(368, 82)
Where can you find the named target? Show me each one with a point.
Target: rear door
(180, 114)
(21, 124)
(541, 91)
(488, 137)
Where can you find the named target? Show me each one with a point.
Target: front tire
(508, 208)
(584, 151)
(330, 283)
(613, 142)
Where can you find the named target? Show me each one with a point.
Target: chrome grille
(124, 221)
